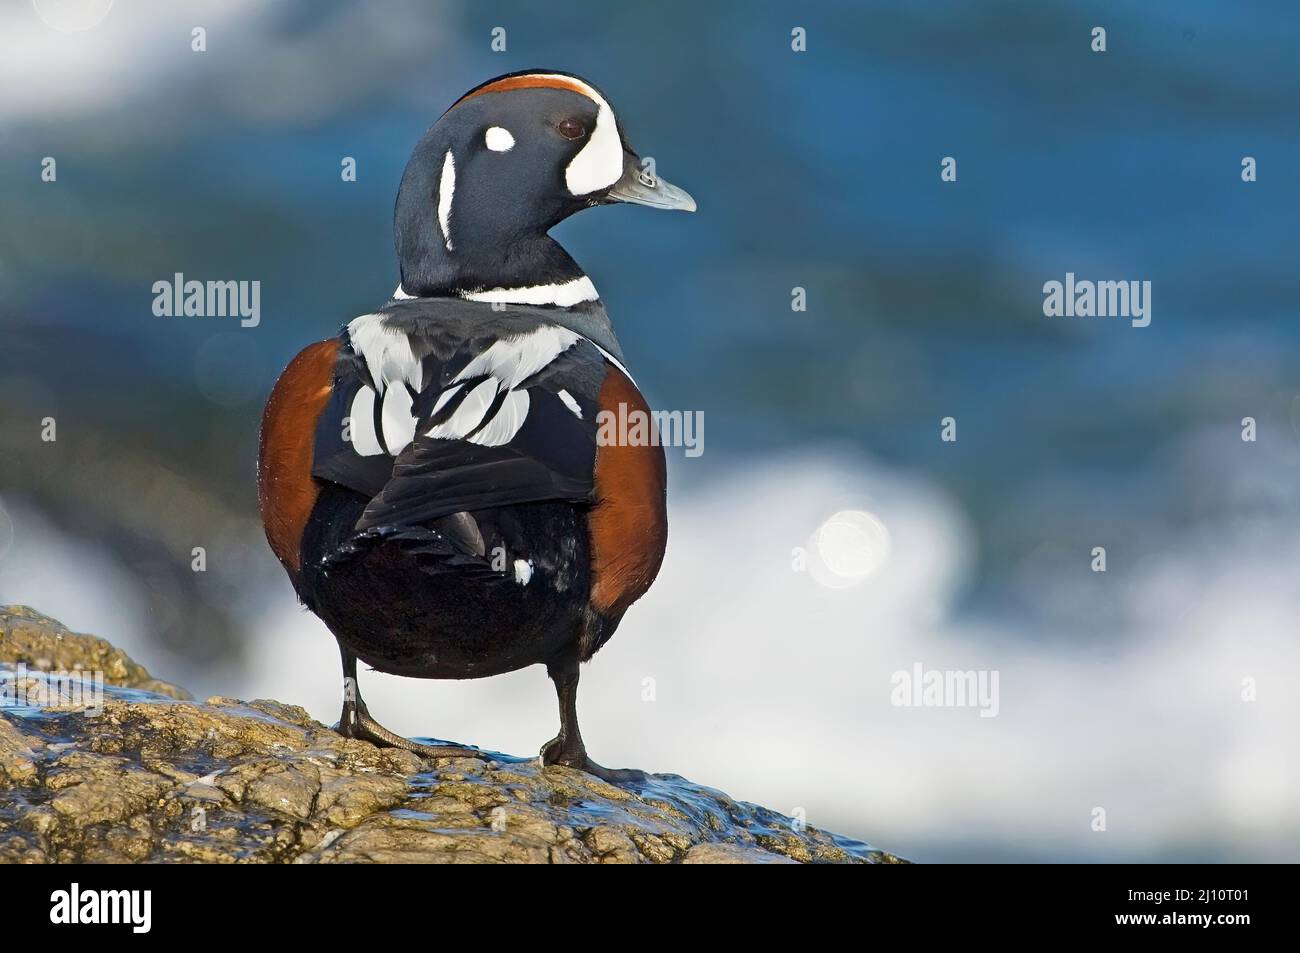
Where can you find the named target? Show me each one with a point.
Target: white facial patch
(599, 164)
(499, 140)
(446, 189)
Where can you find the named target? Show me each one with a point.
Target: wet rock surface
(154, 777)
(43, 644)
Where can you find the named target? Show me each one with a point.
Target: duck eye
(571, 129)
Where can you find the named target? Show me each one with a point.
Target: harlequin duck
(432, 478)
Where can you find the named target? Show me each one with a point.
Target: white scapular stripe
(470, 412)
(499, 139)
(361, 423)
(446, 189)
(572, 404)
(387, 352)
(615, 361)
(515, 359)
(563, 295)
(397, 420)
(504, 366)
(505, 423)
(445, 396)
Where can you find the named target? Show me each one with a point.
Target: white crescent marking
(362, 423)
(446, 189)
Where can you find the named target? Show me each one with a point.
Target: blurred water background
(1120, 690)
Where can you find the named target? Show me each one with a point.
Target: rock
(152, 776)
(733, 854)
(43, 644)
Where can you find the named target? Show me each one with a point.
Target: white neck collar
(564, 295)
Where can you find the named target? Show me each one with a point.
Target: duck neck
(520, 269)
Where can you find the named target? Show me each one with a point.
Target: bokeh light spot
(72, 16)
(847, 548)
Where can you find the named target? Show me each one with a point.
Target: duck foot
(567, 748)
(613, 775)
(365, 728)
(557, 751)
(355, 722)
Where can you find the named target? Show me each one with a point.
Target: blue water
(818, 170)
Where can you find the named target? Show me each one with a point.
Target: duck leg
(567, 747)
(355, 721)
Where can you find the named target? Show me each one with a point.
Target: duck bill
(638, 187)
